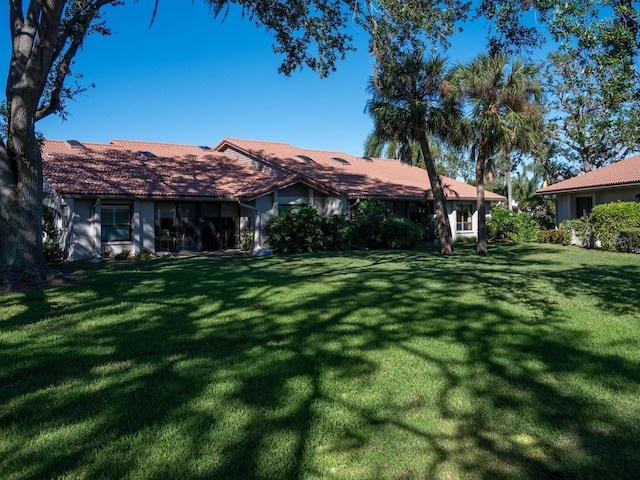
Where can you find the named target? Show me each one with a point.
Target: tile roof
(354, 176)
(239, 169)
(118, 169)
(624, 172)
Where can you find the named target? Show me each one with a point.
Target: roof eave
(588, 188)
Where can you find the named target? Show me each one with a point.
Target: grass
(364, 365)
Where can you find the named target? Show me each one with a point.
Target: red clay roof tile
(624, 172)
(358, 177)
(118, 168)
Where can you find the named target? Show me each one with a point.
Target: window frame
(461, 224)
(115, 224)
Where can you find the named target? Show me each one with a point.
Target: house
(576, 196)
(166, 197)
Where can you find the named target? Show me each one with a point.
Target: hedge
(608, 220)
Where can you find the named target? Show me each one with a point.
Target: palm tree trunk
(482, 219)
(442, 218)
(509, 188)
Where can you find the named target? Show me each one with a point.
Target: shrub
(428, 229)
(52, 251)
(466, 240)
(338, 232)
(368, 218)
(609, 219)
(628, 240)
(143, 254)
(106, 253)
(507, 225)
(123, 254)
(559, 236)
(399, 233)
(296, 230)
(581, 228)
(246, 241)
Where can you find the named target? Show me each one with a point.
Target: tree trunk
(439, 200)
(482, 219)
(21, 255)
(509, 188)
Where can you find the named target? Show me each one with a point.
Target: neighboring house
(165, 197)
(576, 196)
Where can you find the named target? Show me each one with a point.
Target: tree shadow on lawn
(392, 365)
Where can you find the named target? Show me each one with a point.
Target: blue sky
(191, 79)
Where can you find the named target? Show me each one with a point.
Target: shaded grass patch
(354, 365)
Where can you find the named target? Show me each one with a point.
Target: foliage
(580, 227)
(374, 227)
(52, 251)
(246, 241)
(507, 225)
(505, 115)
(304, 230)
(609, 219)
(338, 233)
(555, 235)
(123, 254)
(143, 254)
(296, 230)
(399, 233)
(367, 218)
(106, 253)
(589, 130)
(411, 102)
(466, 240)
(628, 240)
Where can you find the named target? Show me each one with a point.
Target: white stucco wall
(143, 226)
(566, 202)
(79, 237)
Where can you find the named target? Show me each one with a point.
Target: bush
(305, 230)
(52, 251)
(143, 254)
(374, 227)
(296, 230)
(368, 218)
(559, 236)
(338, 233)
(609, 219)
(399, 233)
(507, 225)
(628, 241)
(581, 228)
(123, 254)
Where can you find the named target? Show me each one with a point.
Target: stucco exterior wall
(143, 226)
(79, 238)
(566, 202)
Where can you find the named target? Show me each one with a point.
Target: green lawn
(363, 365)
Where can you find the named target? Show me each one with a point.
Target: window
(583, 206)
(64, 216)
(116, 223)
(463, 217)
(282, 208)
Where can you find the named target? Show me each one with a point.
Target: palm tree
(411, 101)
(504, 115)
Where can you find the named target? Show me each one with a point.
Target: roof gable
(356, 177)
(622, 173)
